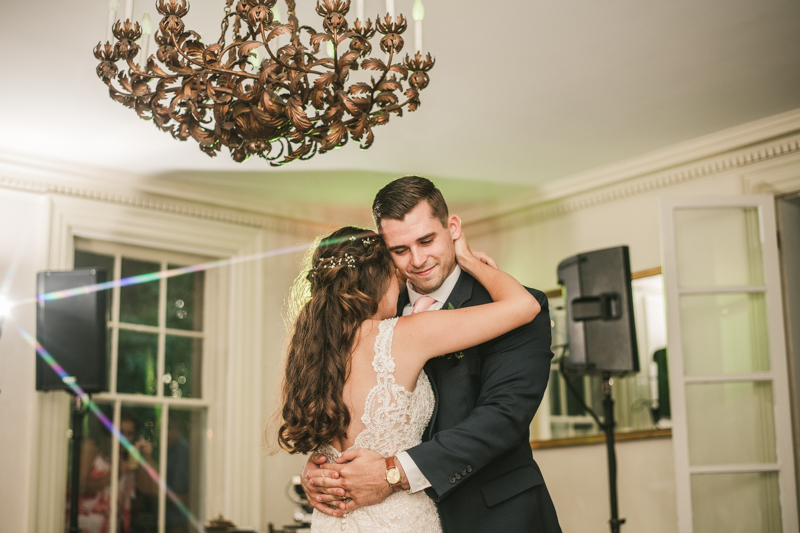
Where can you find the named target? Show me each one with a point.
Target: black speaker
(72, 330)
(599, 304)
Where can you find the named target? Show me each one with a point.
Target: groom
(475, 460)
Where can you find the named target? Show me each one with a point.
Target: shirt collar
(440, 294)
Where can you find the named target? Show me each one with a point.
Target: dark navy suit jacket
(476, 452)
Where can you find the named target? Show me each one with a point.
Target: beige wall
(577, 476)
(278, 466)
(531, 250)
(22, 220)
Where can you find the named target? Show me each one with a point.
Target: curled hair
(349, 275)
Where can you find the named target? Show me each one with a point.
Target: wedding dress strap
(383, 363)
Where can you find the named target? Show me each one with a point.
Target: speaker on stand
(602, 335)
(71, 327)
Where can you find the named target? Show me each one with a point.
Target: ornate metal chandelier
(293, 104)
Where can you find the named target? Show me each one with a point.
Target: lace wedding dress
(395, 419)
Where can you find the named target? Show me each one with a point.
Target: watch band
(391, 465)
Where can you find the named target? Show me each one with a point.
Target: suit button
(469, 468)
(458, 476)
(452, 479)
(464, 472)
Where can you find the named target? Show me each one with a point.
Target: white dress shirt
(415, 478)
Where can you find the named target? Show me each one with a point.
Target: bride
(353, 376)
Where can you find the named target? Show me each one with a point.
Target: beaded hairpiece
(366, 241)
(333, 262)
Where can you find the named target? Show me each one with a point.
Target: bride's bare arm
(426, 335)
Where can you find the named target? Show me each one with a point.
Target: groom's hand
(330, 505)
(362, 476)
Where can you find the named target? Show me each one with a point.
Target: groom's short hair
(401, 196)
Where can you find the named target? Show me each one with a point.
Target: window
(641, 400)
(156, 396)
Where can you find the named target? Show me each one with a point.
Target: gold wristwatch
(393, 474)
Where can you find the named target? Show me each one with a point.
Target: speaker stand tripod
(608, 428)
(77, 441)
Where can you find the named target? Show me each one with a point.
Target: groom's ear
(454, 225)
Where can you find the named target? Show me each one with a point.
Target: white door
(732, 439)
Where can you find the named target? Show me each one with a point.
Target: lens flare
(154, 276)
(6, 305)
(132, 450)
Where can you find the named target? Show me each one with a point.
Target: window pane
(100, 262)
(185, 437)
(94, 502)
(138, 509)
(718, 247)
(139, 303)
(137, 359)
(183, 367)
(185, 301)
(574, 405)
(736, 503)
(730, 423)
(555, 392)
(724, 333)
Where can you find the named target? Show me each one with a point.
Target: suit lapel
(461, 293)
(402, 301)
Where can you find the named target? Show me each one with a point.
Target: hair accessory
(367, 241)
(352, 238)
(333, 262)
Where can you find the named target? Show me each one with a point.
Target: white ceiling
(523, 92)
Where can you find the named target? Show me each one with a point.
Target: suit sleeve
(514, 374)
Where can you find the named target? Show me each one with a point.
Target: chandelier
(277, 91)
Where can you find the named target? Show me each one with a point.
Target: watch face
(393, 476)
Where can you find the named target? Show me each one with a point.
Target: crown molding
(756, 142)
(42, 176)
(766, 139)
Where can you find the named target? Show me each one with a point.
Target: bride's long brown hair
(350, 272)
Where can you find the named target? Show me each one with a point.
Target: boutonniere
(460, 354)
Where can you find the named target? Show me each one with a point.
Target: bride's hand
(484, 258)
(464, 254)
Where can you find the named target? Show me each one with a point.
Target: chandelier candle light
(258, 96)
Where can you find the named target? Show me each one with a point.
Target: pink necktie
(422, 304)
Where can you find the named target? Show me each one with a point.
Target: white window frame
(233, 350)
(163, 259)
(777, 374)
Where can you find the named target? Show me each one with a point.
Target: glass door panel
(724, 333)
(730, 423)
(736, 503)
(733, 448)
(718, 247)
